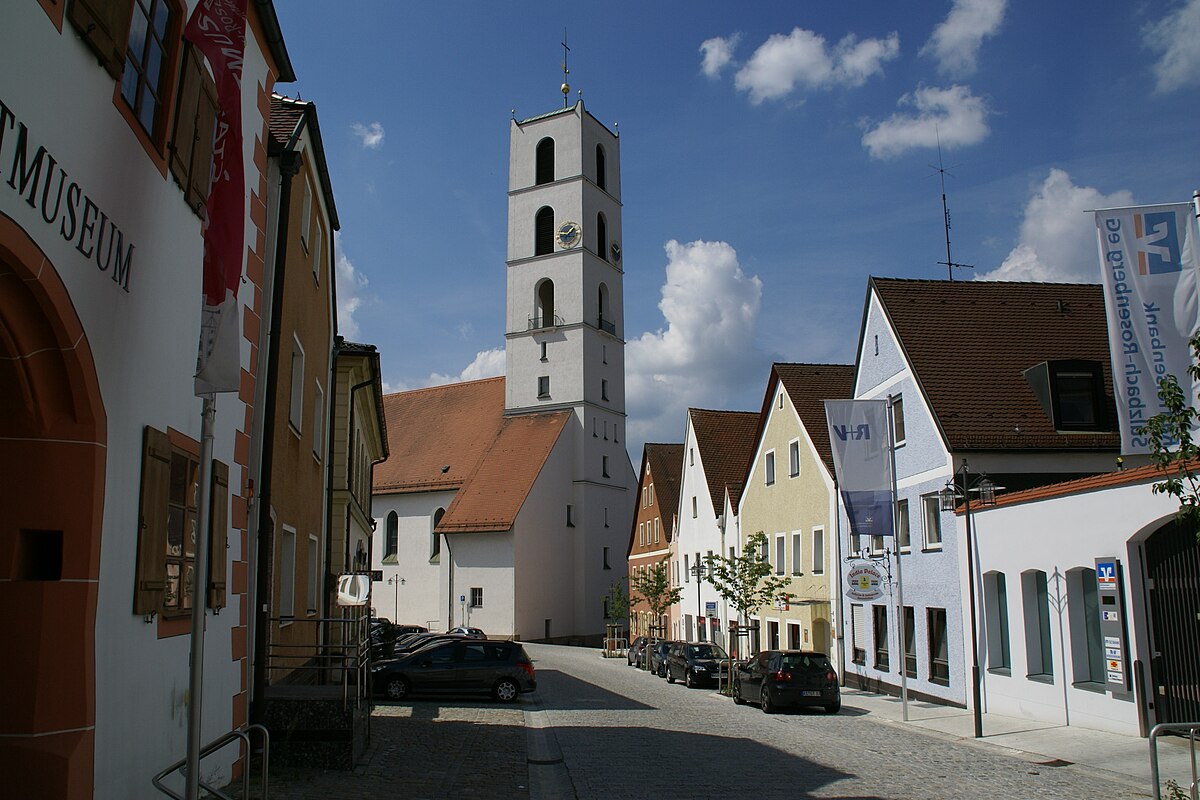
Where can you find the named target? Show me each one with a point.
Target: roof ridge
(445, 386)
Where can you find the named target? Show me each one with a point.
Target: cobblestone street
(599, 729)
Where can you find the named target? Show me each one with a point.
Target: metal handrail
(349, 655)
(1192, 728)
(242, 733)
(551, 321)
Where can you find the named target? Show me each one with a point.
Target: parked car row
(771, 679)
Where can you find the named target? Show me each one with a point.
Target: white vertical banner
(862, 459)
(1149, 263)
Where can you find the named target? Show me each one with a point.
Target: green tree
(745, 581)
(653, 587)
(617, 603)
(1171, 446)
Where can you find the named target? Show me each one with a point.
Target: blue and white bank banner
(1149, 261)
(862, 459)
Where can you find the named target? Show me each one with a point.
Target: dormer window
(1071, 393)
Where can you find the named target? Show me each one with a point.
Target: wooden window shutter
(104, 26)
(195, 126)
(218, 558)
(151, 568)
(183, 142)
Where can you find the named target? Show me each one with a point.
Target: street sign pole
(899, 573)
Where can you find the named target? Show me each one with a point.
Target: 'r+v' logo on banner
(1157, 243)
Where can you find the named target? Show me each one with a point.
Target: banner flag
(862, 459)
(217, 29)
(1149, 263)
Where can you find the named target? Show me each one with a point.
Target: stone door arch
(53, 433)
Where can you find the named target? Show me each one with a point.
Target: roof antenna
(566, 87)
(942, 173)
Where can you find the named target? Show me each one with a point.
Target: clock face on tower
(616, 252)
(568, 234)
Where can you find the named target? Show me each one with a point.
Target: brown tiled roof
(726, 443)
(1106, 480)
(969, 342)
(808, 386)
(457, 437)
(287, 115)
(438, 436)
(665, 462)
(666, 467)
(492, 497)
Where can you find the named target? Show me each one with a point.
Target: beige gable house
(789, 495)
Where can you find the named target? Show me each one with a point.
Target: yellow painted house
(789, 495)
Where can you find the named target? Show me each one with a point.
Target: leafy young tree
(617, 603)
(1171, 446)
(653, 586)
(745, 581)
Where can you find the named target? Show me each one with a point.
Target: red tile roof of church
(457, 437)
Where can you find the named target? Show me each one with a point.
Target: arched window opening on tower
(601, 237)
(545, 162)
(601, 168)
(543, 312)
(605, 322)
(543, 231)
(435, 544)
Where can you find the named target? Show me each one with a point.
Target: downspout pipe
(289, 166)
(326, 606)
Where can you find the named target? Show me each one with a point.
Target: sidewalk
(1125, 758)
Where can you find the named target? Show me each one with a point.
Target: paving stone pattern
(627, 735)
(428, 750)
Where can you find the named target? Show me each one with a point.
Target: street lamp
(949, 497)
(698, 571)
(397, 582)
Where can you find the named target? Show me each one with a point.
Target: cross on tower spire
(566, 87)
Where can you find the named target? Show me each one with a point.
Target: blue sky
(773, 157)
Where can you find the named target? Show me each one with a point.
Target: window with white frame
(794, 458)
(858, 634)
(687, 575)
(897, 406)
(818, 551)
(797, 553)
(780, 554)
(931, 515)
(311, 605)
(903, 542)
(641, 533)
(476, 597)
(769, 467)
(657, 528)
(287, 572)
(652, 494)
(318, 444)
(316, 253)
(296, 409)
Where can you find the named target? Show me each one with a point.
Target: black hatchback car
(777, 678)
(695, 663)
(470, 666)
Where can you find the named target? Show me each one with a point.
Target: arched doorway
(1173, 589)
(53, 425)
(820, 636)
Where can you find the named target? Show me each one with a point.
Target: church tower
(564, 332)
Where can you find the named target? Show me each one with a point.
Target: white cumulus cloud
(1176, 39)
(1058, 238)
(953, 114)
(369, 136)
(803, 58)
(706, 353)
(351, 289)
(718, 52)
(487, 364)
(955, 42)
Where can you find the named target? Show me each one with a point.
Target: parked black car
(696, 663)
(778, 678)
(658, 657)
(471, 666)
(386, 635)
(637, 649)
(417, 641)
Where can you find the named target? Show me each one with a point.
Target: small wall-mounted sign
(864, 582)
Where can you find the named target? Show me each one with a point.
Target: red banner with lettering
(217, 29)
